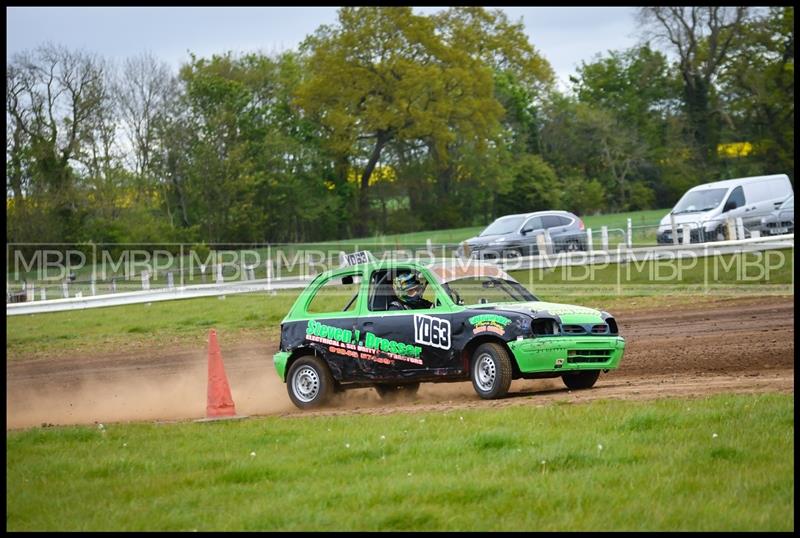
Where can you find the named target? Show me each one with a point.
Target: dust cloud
(141, 396)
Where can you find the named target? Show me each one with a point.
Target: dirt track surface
(737, 345)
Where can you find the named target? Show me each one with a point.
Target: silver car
(517, 235)
(780, 221)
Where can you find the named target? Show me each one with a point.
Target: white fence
(151, 296)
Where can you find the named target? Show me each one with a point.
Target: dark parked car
(516, 235)
(780, 221)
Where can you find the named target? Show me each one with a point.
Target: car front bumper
(567, 353)
(696, 235)
(777, 227)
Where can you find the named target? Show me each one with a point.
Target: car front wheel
(309, 383)
(491, 371)
(581, 380)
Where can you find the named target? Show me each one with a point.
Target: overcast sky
(564, 35)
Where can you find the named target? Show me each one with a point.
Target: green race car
(393, 325)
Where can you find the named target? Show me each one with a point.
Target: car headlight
(763, 220)
(498, 241)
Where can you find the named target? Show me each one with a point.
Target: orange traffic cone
(220, 403)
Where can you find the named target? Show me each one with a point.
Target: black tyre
(491, 371)
(573, 245)
(309, 382)
(390, 391)
(581, 380)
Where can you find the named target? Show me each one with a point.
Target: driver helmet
(409, 286)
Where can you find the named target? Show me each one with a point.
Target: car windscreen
(486, 289)
(504, 225)
(702, 200)
(788, 204)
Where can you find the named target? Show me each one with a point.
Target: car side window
(552, 221)
(382, 293)
(736, 199)
(430, 295)
(533, 223)
(337, 294)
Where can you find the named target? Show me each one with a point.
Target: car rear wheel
(309, 382)
(491, 371)
(573, 245)
(581, 380)
(389, 391)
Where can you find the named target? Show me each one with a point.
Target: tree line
(388, 121)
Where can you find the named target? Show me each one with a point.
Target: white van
(706, 208)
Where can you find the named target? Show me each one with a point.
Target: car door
(327, 319)
(758, 203)
(406, 344)
(735, 206)
(530, 229)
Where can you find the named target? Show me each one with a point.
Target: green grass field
(723, 463)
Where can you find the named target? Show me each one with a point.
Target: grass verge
(723, 463)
